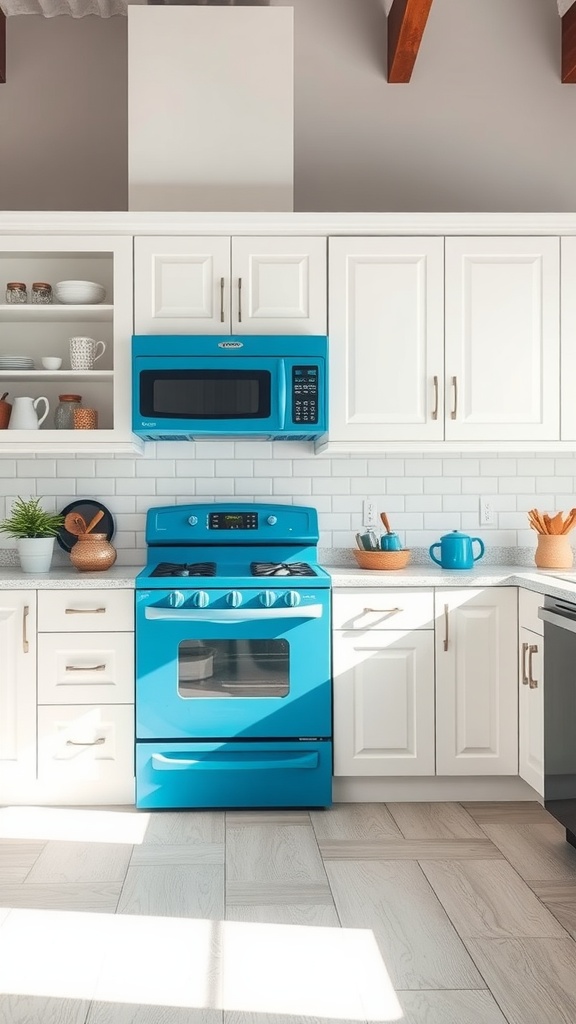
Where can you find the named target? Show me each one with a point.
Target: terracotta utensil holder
(382, 559)
(85, 419)
(553, 551)
(92, 552)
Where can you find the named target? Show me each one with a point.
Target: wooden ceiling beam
(569, 45)
(2, 46)
(406, 23)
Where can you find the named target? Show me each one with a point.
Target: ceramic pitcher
(24, 415)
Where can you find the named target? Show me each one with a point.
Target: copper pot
(5, 412)
(92, 552)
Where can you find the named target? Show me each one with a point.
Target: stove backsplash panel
(424, 496)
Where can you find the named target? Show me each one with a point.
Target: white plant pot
(35, 553)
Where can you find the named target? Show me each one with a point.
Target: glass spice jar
(16, 292)
(64, 412)
(41, 293)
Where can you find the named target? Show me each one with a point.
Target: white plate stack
(16, 363)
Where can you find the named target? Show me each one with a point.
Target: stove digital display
(233, 521)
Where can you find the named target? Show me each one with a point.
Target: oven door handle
(557, 620)
(311, 611)
(161, 763)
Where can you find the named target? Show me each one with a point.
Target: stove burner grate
(185, 569)
(281, 569)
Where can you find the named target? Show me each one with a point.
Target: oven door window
(233, 668)
(210, 394)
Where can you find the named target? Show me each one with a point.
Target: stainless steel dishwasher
(559, 617)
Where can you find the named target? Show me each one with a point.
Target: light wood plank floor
(417, 913)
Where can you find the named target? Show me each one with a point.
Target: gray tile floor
(418, 913)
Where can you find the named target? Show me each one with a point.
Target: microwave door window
(206, 394)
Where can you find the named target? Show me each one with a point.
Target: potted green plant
(34, 530)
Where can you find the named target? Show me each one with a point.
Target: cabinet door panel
(279, 285)
(17, 685)
(386, 339)
(476, 688)
(502, 339)
(178, 285)
(86, 668)
(568, 336)
(82, 611)
(383, 703)
(531, 710)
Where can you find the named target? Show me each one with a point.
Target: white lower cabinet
(17, 688)
(67, 696)
(531, 692)
(383, 664)
(411, 701)
(476, 681)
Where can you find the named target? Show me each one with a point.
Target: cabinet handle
(25, 614)
(446, 627)
(221, 300)
(86, 743)
(383, 611)
(435, 409)
(532, 649)
(455, 409)
(85, 668)
(84, 611)
(524, 676)
(239, 300)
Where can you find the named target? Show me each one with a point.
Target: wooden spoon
(75, 523)
(385, 521)
(94, 522)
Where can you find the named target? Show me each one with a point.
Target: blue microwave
(201, 387)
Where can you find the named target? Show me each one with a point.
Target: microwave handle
(282, 392)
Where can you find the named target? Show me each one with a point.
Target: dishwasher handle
(562, 621)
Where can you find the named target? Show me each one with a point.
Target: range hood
(210, 107)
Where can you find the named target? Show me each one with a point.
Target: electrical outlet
(369, 512)
(487, 516)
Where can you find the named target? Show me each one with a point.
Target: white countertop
(67, 577)
(543, 581)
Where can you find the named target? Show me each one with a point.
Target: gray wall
(485, 123)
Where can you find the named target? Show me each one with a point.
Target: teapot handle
(481, 543)
(46, 410)
(433, 556)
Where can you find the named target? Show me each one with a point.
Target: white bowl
(51, 362)
(79, 292)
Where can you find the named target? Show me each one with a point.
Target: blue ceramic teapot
(456, 551)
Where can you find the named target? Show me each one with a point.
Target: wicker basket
(382, 559)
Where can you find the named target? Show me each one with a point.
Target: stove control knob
(272, 520)
(267, 598)
(193, 520)
(292, 598)
(176, 599)
(200, 599)
(234, 599)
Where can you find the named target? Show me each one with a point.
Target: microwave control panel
(305, 394)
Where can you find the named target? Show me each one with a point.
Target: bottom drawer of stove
(285, 774)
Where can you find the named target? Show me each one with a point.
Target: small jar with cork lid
(41, 293)
(16, 293)
(64, 412)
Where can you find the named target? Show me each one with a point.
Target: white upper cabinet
(476, 681)
(502, 339)
(37, 331)
(386, 327)
(568, 331)
(222, 285)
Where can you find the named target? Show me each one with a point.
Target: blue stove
(233, 667)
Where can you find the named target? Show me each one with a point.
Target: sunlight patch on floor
(179, 962)
(73, 825)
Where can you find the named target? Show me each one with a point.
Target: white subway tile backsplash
(519, 485)
(442, 485)
(195, 467)
(144, 485)
(235, 467)
(471, 485)
(174, 449)
(178, 488)
(44, 468)
(286, 486)
(89, 487)
(213, 450)
(367, 485)
(115, 467)
(565, 466)
(7, 468)
(324, 485)
(460, 502)
(460, 467)
(498, 467)
(386, 467)
(350, 468)
(423, 467)
(209, 487)
(246, 487)
(160, 467)
(253, 449)
(536, 467)
(74, 468)
(422, 503)
(444, 521)
(309, 467)
(273, 467)
(54, 487)
(405, 485)
(550, 484)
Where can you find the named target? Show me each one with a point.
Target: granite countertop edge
(542, 581)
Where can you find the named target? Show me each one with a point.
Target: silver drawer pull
(84, 611)
(446, 627)
(87, 743)
(532, 650)
(25, 642)
(85, 668)
(383, 611)
(524, 676)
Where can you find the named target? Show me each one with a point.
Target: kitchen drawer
(529, 603)
(85, 668)
(369, 608)
(83, 611)
(88, 750)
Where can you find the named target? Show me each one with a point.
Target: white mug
(84, 353)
